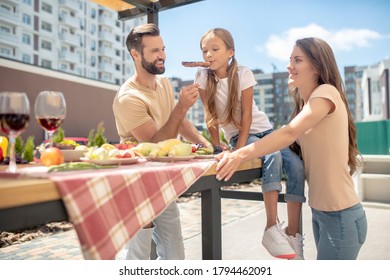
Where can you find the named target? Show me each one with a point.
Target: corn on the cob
(182, 149)
(164, 147)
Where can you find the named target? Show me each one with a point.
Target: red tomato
(126, 155)
(52, 156)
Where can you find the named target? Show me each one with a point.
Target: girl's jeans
(275, 164)
(339, 235)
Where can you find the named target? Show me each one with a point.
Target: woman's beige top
(325, 154)
(135, 104)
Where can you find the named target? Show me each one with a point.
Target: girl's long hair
(212, 84)
(322, 58)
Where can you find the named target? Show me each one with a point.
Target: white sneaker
(276, 242)
(296, 242)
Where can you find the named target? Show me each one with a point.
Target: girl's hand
(225, 147)
(228, 163)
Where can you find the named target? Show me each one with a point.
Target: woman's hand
(227, 164)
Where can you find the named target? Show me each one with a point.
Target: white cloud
(280, 47)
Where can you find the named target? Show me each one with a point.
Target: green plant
(100, 139)
(28, 152)
(59, 136)
(206, 134)
(19, 146)
(97, 139)
(91, 138)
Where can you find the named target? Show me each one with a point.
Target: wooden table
(30, 202)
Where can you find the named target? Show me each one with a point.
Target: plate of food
(72, 155)
(116, 161)
(204, 156)
(170, 159)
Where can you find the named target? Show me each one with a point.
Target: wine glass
(14, 118)
(50, 111)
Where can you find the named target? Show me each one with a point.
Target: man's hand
(188, 95)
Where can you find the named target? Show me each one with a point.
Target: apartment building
(263, 93)
(353, 89)
(376, 91)
(73, 36)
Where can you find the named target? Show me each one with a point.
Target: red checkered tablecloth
(109, 206)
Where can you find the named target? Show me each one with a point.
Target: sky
(265, 31)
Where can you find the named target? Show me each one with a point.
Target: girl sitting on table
(226, 90)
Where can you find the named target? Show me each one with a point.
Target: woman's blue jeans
(275, 164)
(339, 235)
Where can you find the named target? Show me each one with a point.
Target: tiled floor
(65, 246)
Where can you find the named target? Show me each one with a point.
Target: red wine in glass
(50, 124)
(14, 118)
(50, 111)
(13, 123)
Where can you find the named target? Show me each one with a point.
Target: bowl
(72, 155)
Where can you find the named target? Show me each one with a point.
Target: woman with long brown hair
(323, 127)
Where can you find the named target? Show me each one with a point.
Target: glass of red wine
(50, 111)
(14, 118)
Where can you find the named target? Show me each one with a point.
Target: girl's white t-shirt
(260, 121)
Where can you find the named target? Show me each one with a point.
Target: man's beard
(151, 68)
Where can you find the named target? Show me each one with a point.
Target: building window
(26, 39)
(64, 67)
(47, 8)
(5, 51)
(46, 26)
(5, 30)
(93, 13)
(46, 63)
(93, 61)
(27, 2)
(46, 45)
(26, 58)
(5, 8)
(93, 45)
(26, 19)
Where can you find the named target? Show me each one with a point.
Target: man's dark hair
(134, 39)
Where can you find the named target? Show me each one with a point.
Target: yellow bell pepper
(4, 145)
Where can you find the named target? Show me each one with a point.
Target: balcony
(107, 52)
(69, 56)
(107, 67)
(107, 36)
(70, 39)
(107, 21)
(70, 21)
(70, 4)
(12, 18)
(9, 39)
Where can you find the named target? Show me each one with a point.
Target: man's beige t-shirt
(325, 155)
(135, 104)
